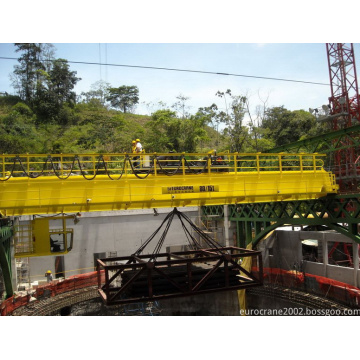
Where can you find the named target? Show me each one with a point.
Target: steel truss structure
(139, 279)
(344, 110)
(344, 87)
(254, 221)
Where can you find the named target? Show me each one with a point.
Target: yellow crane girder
(121, 181)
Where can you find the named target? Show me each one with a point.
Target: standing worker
(133, 146)
(138, 146)
(49, 276)
(138, 149)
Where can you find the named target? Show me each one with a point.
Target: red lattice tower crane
(345, 103)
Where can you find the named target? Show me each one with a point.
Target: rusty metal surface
(137, 278)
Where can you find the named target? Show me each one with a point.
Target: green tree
(56, 93)
(192, 133)
(284, 126)
(98, 93)
(62, 82)
(169, 133)
(233, 119)
(47, 55)
(213, 118)
(26, 75)
(164, 132)
(44, 83)
(124, 97)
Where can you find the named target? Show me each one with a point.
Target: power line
(184, 70)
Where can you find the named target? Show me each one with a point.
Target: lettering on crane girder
(189, 189)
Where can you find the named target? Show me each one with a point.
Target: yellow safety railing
(116, 165)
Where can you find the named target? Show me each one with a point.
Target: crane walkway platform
(70, 183)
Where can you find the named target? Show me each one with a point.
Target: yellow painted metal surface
(238, 178)
(36, 238)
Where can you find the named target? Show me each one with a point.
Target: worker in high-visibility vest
(133, 146)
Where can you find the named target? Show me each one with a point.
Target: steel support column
(6, 233)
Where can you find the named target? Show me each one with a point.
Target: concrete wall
(313, 268)
(286, 249)
(341, 273)
(117, 231)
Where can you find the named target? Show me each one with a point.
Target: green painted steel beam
(6, 232)
(338, 208)
(6, 269)
(330, 211)
(214, 211)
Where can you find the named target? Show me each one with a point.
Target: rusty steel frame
(217, 263)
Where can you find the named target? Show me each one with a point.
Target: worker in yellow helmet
(138, 146)
(133, 146)
(49, 276)
(138, 149)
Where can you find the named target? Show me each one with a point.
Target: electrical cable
(60, 176)
(200, 171)
(169, 159)
(184, 70)
(137, 171)
(108, 171)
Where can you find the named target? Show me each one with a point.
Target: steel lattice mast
(344, 102)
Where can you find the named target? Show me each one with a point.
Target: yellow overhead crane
(68, 183)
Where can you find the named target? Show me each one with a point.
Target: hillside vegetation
(45, 115)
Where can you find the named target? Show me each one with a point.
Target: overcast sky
(298, 61)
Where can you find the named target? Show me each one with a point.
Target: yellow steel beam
(244, 181)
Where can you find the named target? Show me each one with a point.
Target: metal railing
(142, 165)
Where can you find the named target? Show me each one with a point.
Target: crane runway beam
(240, 178)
